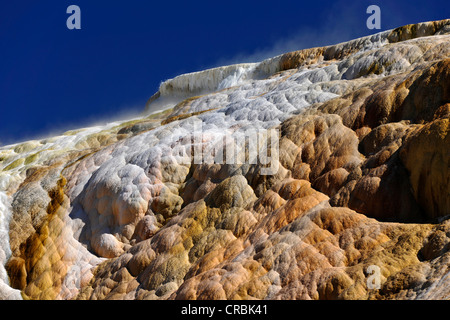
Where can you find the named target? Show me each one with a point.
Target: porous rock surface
(359, 178)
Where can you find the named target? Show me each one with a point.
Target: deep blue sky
(53, 79)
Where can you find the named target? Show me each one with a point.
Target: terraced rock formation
(359, 178)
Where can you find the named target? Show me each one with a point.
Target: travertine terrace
(363, 172)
